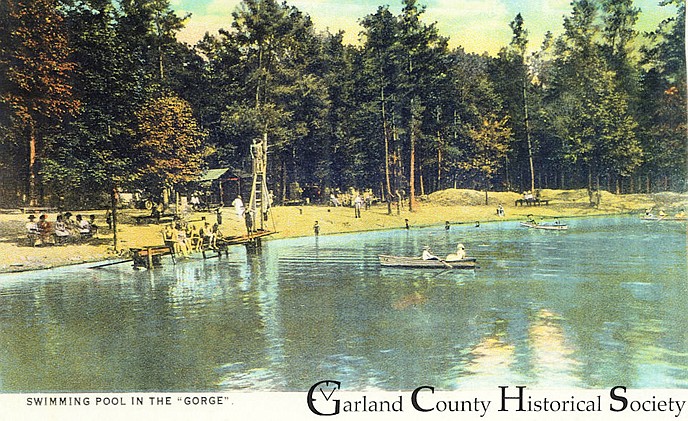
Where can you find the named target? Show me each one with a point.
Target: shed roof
(213, 174)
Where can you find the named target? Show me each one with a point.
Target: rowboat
(419, 263)
(662, 218)
(546, 226)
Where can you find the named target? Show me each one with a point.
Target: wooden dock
(151, 256)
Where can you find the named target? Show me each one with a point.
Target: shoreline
(459, 207)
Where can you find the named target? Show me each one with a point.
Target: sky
(476, 25)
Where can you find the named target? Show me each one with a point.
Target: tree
(36, 88)
(484, 151)
(618, 36)
(663, 110)
(378, 75)
(149, 28)
(170, 146)
(587, 110)
(513, 82)
(272, 57)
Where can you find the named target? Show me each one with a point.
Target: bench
(296, 202)
(147, 219)
(38, 209)
(531, 202)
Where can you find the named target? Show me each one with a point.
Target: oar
(445, 263)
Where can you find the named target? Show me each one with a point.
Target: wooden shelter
(222, 185)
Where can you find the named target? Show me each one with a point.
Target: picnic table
(531, 202)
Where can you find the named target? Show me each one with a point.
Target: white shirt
(429, 256)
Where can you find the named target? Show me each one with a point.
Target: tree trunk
(31, 185)
(113, 209)
(438, 185)
(647, 184)
(412, 171)
(385, 134)
(284, 181)
(527, 127)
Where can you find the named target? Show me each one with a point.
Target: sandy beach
(455, 206)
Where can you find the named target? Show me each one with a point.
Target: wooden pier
(151, 256)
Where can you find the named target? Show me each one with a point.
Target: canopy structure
(221, 184)
(212, 175)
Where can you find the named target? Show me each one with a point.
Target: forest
(99, 96)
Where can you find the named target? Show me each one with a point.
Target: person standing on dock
(316, 229)
(248, 219)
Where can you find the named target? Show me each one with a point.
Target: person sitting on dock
(194, 237)
(208, 236)
(427, 255)
(216, 232)
(182, 240)
(459, 255)
(171, 238)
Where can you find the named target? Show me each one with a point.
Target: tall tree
(36, 86)
(587, 111)
(279, 97)
(663, 110)
(513, 82)
(379, 73)
(422, 55)
(618, 37)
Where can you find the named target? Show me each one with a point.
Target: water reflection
(576, 309)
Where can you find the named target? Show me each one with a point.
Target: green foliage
(108, 97)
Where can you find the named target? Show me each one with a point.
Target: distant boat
(555, 226)
(663, 218)
(419, 263)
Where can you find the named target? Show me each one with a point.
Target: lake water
(600, 305)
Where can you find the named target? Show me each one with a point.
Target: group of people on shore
(184, 238)
(64, 230)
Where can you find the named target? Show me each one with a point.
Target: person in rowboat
(427, 254)
(459, 255)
